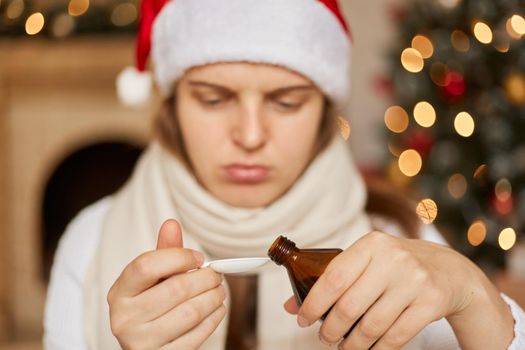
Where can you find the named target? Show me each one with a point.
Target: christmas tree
(456, 127)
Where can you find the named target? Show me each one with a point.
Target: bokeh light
(427, 210)
(424, 114)
(35, 23)
(483, 33)
(480, 173)
(423, 44)
(477, 233)
(344, 127)
(63, 25)
(457, 186)
(412, 60)
(464, 124)
(396, 119)
(124, 14)
(507, 238)
(460, 41)
(410, 162)
(439, 73)
(503, 190)
(518, 24)
(514, 85)
(510, 30)
(15, 9)
(449, 3)
(78, 7)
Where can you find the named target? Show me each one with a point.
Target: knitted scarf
(323, 208)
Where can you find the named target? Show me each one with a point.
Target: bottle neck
(281, 250)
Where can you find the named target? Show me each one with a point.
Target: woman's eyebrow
(220, 88)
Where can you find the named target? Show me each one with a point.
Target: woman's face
(249, 129)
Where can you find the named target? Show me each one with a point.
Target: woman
(246, 150)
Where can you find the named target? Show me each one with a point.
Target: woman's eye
(287, 105)
(213, 102)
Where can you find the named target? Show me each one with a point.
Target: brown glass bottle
(304, 266)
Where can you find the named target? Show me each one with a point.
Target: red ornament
(454, 87)
(503, 207)
(420, 141)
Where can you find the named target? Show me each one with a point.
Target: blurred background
(438, 104)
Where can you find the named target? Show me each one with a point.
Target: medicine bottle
(304, 266)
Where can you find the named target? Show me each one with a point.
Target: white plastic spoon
(236, 265)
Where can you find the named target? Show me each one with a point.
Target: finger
(353, 304)
(147, 269)
(186, 316)
(170, 235)
(379, 318)
(339, 275)
(291, 306)
(198, 335)
(406, 327)
(173, 291)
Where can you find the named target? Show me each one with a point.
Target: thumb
(291, 306)
(170, 235)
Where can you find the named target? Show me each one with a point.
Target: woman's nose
(249, 131)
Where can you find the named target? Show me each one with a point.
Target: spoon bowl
(236, 265)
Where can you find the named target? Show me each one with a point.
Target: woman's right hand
(157, 304)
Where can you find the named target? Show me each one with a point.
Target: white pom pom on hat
(310, 37)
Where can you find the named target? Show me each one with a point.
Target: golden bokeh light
(503, 190)
(423, 44)
(78, 7)
(410, 162)
(412, 60)
(510, 30)
(479, 173)
(483, 33)
(518, 24)
(424, 114)
(15, 9)
(457, 186)
(35, 23)
(507, 238)
(460, 41)
(427, 210)
(464, 124)
(124, 14)
(477, 233)
(396, 119)
(396, 176)
(344, 127)
(514, 85)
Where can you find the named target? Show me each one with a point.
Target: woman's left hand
(390, 288)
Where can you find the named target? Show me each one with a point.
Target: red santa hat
(310, 37)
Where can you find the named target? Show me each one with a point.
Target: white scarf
(324, 208)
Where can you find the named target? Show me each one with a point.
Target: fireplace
(65, 141)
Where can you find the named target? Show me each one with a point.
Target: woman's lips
(243, 173)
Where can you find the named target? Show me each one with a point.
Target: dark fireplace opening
(82, 178)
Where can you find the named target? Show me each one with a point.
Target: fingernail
(303, 322)
(198, 256)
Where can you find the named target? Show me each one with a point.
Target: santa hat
(310, 37)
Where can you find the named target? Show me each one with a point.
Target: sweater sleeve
(63, 318)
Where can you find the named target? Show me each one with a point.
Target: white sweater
(63, 321)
